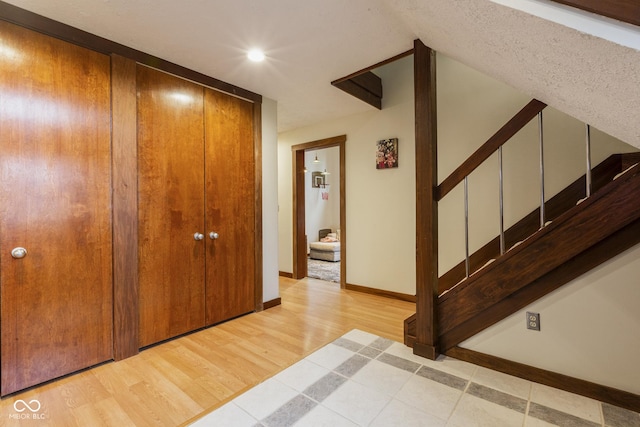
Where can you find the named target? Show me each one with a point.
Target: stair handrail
(492, 145)
(513, 126)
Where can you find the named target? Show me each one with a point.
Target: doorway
(300, 267)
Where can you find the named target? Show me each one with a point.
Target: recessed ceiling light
(256, 55)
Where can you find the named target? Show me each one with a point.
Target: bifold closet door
(230, 206)
(171, 205)
(55, 208)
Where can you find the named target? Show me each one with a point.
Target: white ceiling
(309, 43)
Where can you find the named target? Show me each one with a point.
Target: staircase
(579, 234)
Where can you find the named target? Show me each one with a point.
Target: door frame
(299, 233)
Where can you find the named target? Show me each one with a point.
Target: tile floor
(364, 380)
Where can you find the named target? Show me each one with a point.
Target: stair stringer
(588, 234)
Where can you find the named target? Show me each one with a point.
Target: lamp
(326, 173)
(316, 159)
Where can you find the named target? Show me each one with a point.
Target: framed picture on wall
(317, 180)
(387, 153)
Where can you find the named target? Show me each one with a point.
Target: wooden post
(426, 343)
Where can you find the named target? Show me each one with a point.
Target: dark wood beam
(426, 343)
(513, 126)
(125, 215)
(622, 10)
(364, 84)
(366, 87)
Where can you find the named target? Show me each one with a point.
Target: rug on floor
(361, 379)
(323, 270)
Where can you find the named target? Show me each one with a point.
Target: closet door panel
(56, 301)
(171, 205)
(230, 206)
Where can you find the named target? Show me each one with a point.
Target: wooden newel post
(426, 343)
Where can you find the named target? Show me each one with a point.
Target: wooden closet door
(56, 302)
(171, 205)
(230, 206)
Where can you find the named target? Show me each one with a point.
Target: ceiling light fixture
(256, 55)
(316, 159)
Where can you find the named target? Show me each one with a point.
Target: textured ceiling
(312, 42)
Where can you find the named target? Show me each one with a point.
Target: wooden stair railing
(601, 227)
(602, 174)
(428, 194)
(513, 126)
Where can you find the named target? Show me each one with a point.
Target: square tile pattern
(361, 379)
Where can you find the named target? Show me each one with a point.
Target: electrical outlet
(533, 321)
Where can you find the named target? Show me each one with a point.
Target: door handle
(213, 235)
(19, 253)
(198, 236)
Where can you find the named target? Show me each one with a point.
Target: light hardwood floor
(173, 383)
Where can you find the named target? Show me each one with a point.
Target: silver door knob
(213, 235)
(19, 253)
(198, 236)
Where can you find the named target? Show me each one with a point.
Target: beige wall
(471, 108)
(270, 285)
(380, 204)
(589, 327)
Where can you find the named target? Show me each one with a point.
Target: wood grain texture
(125, 203)
(230, 206)
(485, 151)
(552, 379)
(622, 10)
(82, 38)
(363, 90)
(171, 383)
(566, 199)
(55, 200)
(258, 294)
(604, 213)
(603, 251)
(299, 207)
(426, 205)
(344, 234)
(170, 205)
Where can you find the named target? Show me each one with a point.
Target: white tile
(570, 403)
(401, 350)
(534, 422)
(502, 382)
(323, 417)
(475, 412)
(400, 414)
(265, 398)
(361, 337)
(228, 415)
(356, 402)
(452, 366)
(429, 396)
(301, 375)
(382, 377)
(445, 364)
(330, 356)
